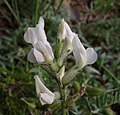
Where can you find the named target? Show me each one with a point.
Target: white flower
(41, 50)
(44, 94)
(83, 56)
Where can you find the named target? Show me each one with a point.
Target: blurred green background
(97, 23)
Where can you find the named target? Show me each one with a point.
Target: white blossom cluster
(42, 53)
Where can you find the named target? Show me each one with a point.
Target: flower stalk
(63, 98)
(63, 102)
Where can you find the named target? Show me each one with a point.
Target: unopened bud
(108, 111)
(76, 86)
(94, 91)
(58, 48)
(55, 105)
(71, 100)
(70, 74)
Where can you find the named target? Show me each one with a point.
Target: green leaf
(32, 105)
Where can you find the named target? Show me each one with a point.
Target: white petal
(42, 36)
(41, 33)
(40, 46)
(79, 51)
(37, 85)
(91, 56)
(69, 33)
(50, 51)
(41, 22)
(46, 99)
(38, 56)
(31, 56)
(30, 36)
(40, 87)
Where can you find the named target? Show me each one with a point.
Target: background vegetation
(97, 23)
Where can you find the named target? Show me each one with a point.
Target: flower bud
(55, 105)
(58, 48)
(108, 111)
(61, 30)
(71, 100)
(76, 86)
(94, 91)
(70, 74)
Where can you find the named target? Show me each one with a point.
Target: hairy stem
(63, 97)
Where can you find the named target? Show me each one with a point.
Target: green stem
(36, 11)
(63, 97)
